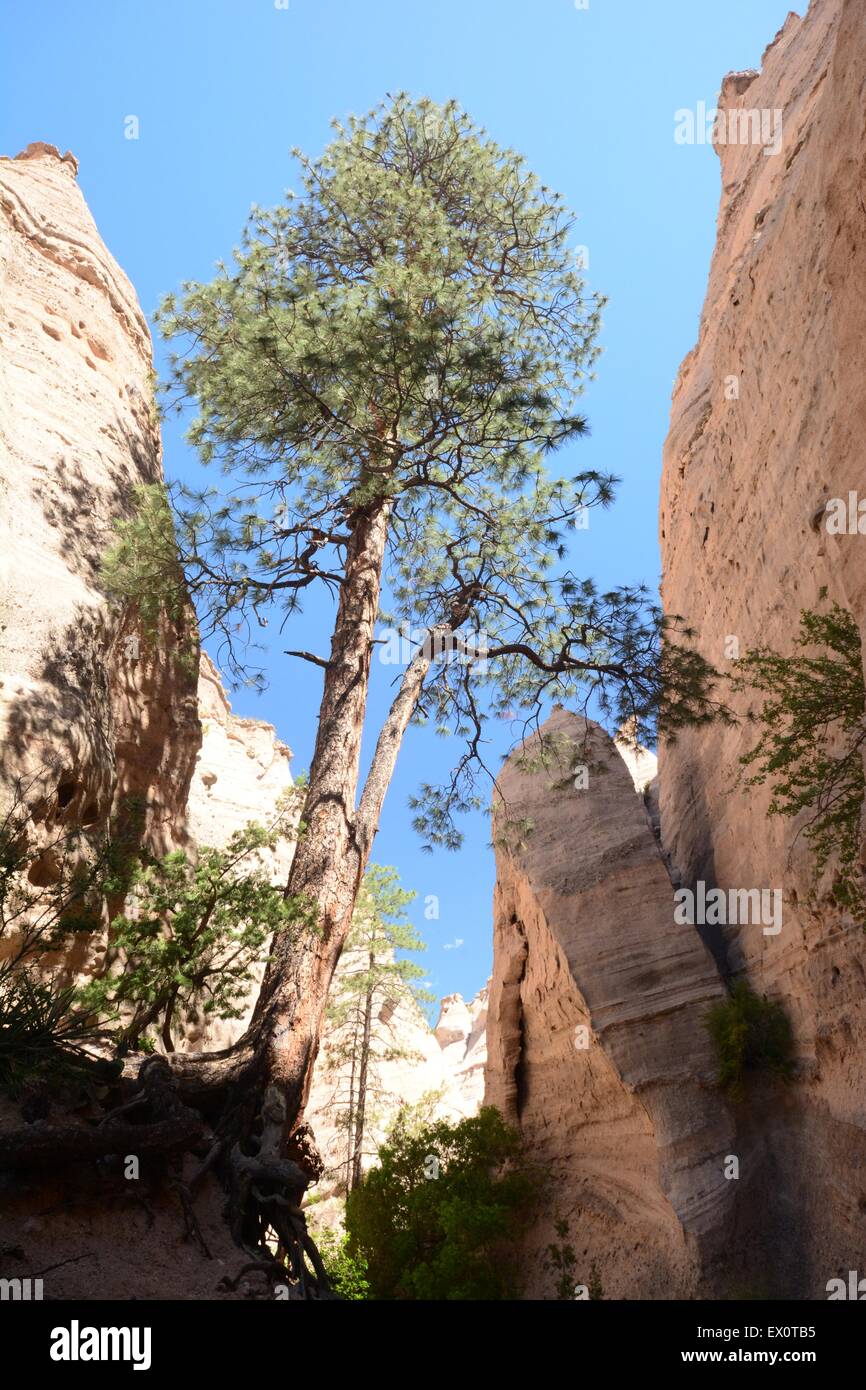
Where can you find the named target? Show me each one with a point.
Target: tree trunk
(329, 861)
(361, 1108)
(332, 855)
(350, 1118)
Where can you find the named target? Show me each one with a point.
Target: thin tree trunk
(332, 855)
(328, 862)
(167, 1041)
(350, 1119)
(361, 1108)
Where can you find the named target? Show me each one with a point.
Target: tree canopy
(413, 332)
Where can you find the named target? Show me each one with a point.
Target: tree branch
(309, 656)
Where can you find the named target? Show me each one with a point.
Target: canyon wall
(597, 1048)
(768, 415)
(98, 728)
(94, 721)
(768, 421)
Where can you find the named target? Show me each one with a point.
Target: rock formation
(461, 1031)
(597, 1048)
(91, 717)
(242, 771)
(767, 425)
(444, 1066)
(94, 722)
(768, 414)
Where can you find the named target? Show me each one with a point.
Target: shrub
(43, 1037)
(749, 1033)
(561, 1260)
(192, 935)
(347, 1272)
(812, 734)
(434, 1219)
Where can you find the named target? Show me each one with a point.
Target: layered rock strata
(95, 722)
(767, 424)
(596, 1037)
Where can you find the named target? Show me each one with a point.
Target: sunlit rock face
(767, 428)
(242, 775)
(96, 725)
(440, 1069)
(597, 1048)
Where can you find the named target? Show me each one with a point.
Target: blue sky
(224, 88)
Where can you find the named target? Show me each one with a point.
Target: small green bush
(43, 1039)
(435, 1219)
(347, 1272)
(749, 1033)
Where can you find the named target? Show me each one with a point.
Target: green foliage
(190, 937)
(749, 1033)
(379, 929)
(811, 742)
(411, 333)
(434, 1219)
(372, 982)
(347, 1272)
(594, 1288)
(43, 1037)
(142, 569)
(197, 930)
(561, 1260)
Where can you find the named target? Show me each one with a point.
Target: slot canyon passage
(591, 1037)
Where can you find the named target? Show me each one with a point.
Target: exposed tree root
(241, 1141)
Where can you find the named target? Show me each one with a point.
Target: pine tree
(372, 986)
(382, 374)
(812, 727)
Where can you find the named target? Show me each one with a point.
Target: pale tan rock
(443, 1067)
(597, 1046)
(745, 549)
(641, 762)
(454, 1023)
(242, 775)
(242, 772)
(90, 716)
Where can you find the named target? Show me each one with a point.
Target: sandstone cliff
(91, 718)
(443, 1067)
(768, 420)
(596, 1045)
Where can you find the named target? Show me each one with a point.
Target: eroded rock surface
(92, 718)
(767, 425)
(597, 1048)
(443, 1067)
